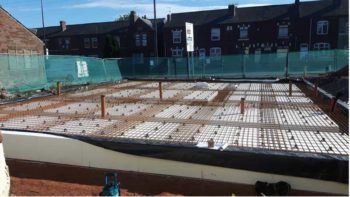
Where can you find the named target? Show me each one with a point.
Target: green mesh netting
(22, 72)
(30, 72)
(19, 73)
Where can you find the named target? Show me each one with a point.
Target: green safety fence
(236, 66)
(20, 73)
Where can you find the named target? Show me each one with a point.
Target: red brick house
(135, 37)
(15, 38)
(314, 25)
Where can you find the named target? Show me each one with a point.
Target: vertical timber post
(242, 105)
(160, 90)
(332, 104)
(58, 88)
(103, 106)
(316, 89)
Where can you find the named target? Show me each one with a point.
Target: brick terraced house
(300, 26)
(314, 25)
(134, 37)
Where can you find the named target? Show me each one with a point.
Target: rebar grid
(187, 114)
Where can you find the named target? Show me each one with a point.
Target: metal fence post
(287, 65)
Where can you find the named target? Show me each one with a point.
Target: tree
(112, 47)
(124, 17)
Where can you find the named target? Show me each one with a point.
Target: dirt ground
(34, 187)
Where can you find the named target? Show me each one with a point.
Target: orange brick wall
(15, 38)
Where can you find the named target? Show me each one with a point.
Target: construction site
(227, 100)
(282, 128)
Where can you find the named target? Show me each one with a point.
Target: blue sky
(85, 11)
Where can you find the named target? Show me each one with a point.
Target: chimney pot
(63, 25)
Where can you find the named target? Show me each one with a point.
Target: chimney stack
(168, 18)
(232, 9)
(63, 25)
(133, 17)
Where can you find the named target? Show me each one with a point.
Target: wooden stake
(103, 106)
(242, 105)
(58, 88)
(160, 90)
(333, 103)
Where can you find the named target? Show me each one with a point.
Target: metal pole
(156, 30)
(43, 22)
(188, 65)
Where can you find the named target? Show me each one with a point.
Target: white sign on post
(189, 37)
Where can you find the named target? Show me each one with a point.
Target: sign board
(82, 69)
(189, 37)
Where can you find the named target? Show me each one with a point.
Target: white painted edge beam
(340, 102)
(61, 150)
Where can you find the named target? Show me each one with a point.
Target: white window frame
(87, 43)
(322, 46)
(177, 35)
(283, 31)
(94, 43)
(244, 36)
(215, 34)
(144, 39)
(138, 58)
(322, 27)
(257, 55)
(137, 40)
(67, 43)
(229, 28)
(215, 52)
(177, 52)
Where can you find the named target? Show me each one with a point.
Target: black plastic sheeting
(308, 165)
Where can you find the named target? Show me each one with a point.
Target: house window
(137, 40)
(176, 52)
(215, 34)
(243, 32)
(257, 55)
(117, 40)
(86, 43)
(94, 43)
(321, 46)
(215, 51)
(144, 40)
(304, 48)
(346, 27)
(64, 43)
(322, 27)
(283, 31)
(137, 58)
(229, 28)
(201, 53)
(177, 37)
